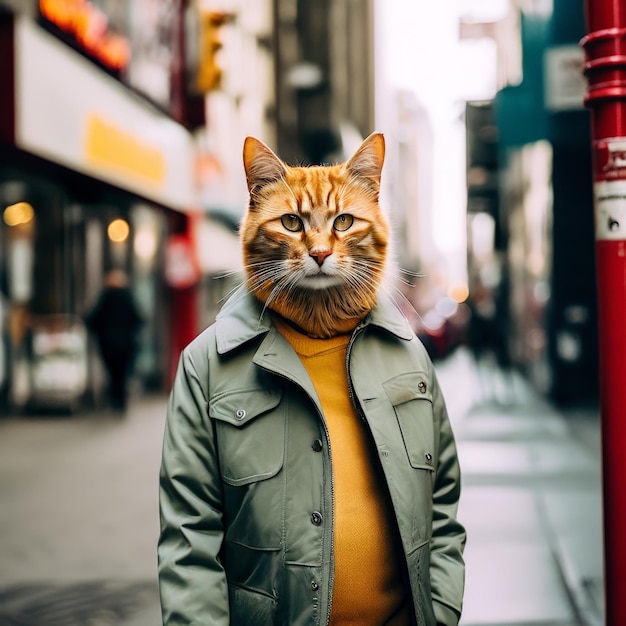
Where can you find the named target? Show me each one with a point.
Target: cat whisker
(360, 271)
(366, 270)
(398, 297)
(259, 280)
(358, 281)
(403, 270)
(284, 285)
(226, 274)
(404, 276)
(402, 279)
(231, 292)
(259, 273)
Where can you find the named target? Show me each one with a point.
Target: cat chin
(319, 282)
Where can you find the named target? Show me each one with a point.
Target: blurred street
(531, 501)
(78, 522)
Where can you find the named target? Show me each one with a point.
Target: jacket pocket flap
(407, 387)
(411, 396)
(250, 429)
(240, 407)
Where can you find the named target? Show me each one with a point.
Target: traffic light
(209, 76)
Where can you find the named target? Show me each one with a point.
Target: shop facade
(92, 177)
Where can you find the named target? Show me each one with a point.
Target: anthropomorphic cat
(309, 472)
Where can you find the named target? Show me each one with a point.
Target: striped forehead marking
(315, 192)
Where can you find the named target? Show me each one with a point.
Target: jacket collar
(243, 318)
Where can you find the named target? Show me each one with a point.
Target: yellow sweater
(368, 587)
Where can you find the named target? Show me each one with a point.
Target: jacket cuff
(445, 615)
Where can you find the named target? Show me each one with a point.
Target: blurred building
(121, 130)
(530, 208)
(302, 77)
(239, 101)
(324, 78)
(299, 76)
(97, 158)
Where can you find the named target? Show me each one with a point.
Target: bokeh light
(18, 213)
(118, 230)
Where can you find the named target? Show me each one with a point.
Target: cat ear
(261, 164)
(368, 160)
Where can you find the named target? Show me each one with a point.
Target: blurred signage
(565, 82)
(610, 188)
(110, 146)
(181, 264)
(154, 27)
(610, 210)
(89, 27)
(71, 113)
(610, 158)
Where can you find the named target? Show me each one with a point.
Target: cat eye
(343, 222)
(291, 222)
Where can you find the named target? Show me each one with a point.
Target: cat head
(315, 239)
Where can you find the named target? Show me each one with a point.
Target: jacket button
(422, 386)
(240, 414)
(317, 445)
(314, 585)
(316, 518)
(428, 458)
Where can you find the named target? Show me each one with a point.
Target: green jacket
(246, 490)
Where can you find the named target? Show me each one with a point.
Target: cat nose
(320, 255)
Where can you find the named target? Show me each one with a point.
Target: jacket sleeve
(447, 568)
(192, 581)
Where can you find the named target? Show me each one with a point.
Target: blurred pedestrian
(115, 320)
(487, 340)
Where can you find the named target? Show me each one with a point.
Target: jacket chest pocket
(411, 398)
(250, 428)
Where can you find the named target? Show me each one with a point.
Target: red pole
(605, 67)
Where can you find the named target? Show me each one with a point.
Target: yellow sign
(113, 148)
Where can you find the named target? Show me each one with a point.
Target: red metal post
(605, 67)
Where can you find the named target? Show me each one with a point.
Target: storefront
(92, 177)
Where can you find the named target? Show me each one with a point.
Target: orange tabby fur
(323, 277)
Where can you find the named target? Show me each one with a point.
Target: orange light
(459, 292)
(89, 25)
(19, 213)
(118, 230)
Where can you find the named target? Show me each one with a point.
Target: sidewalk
(531, 502)
(79, 519)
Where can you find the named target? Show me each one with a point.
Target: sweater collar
(243, 318)
(308, 346)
